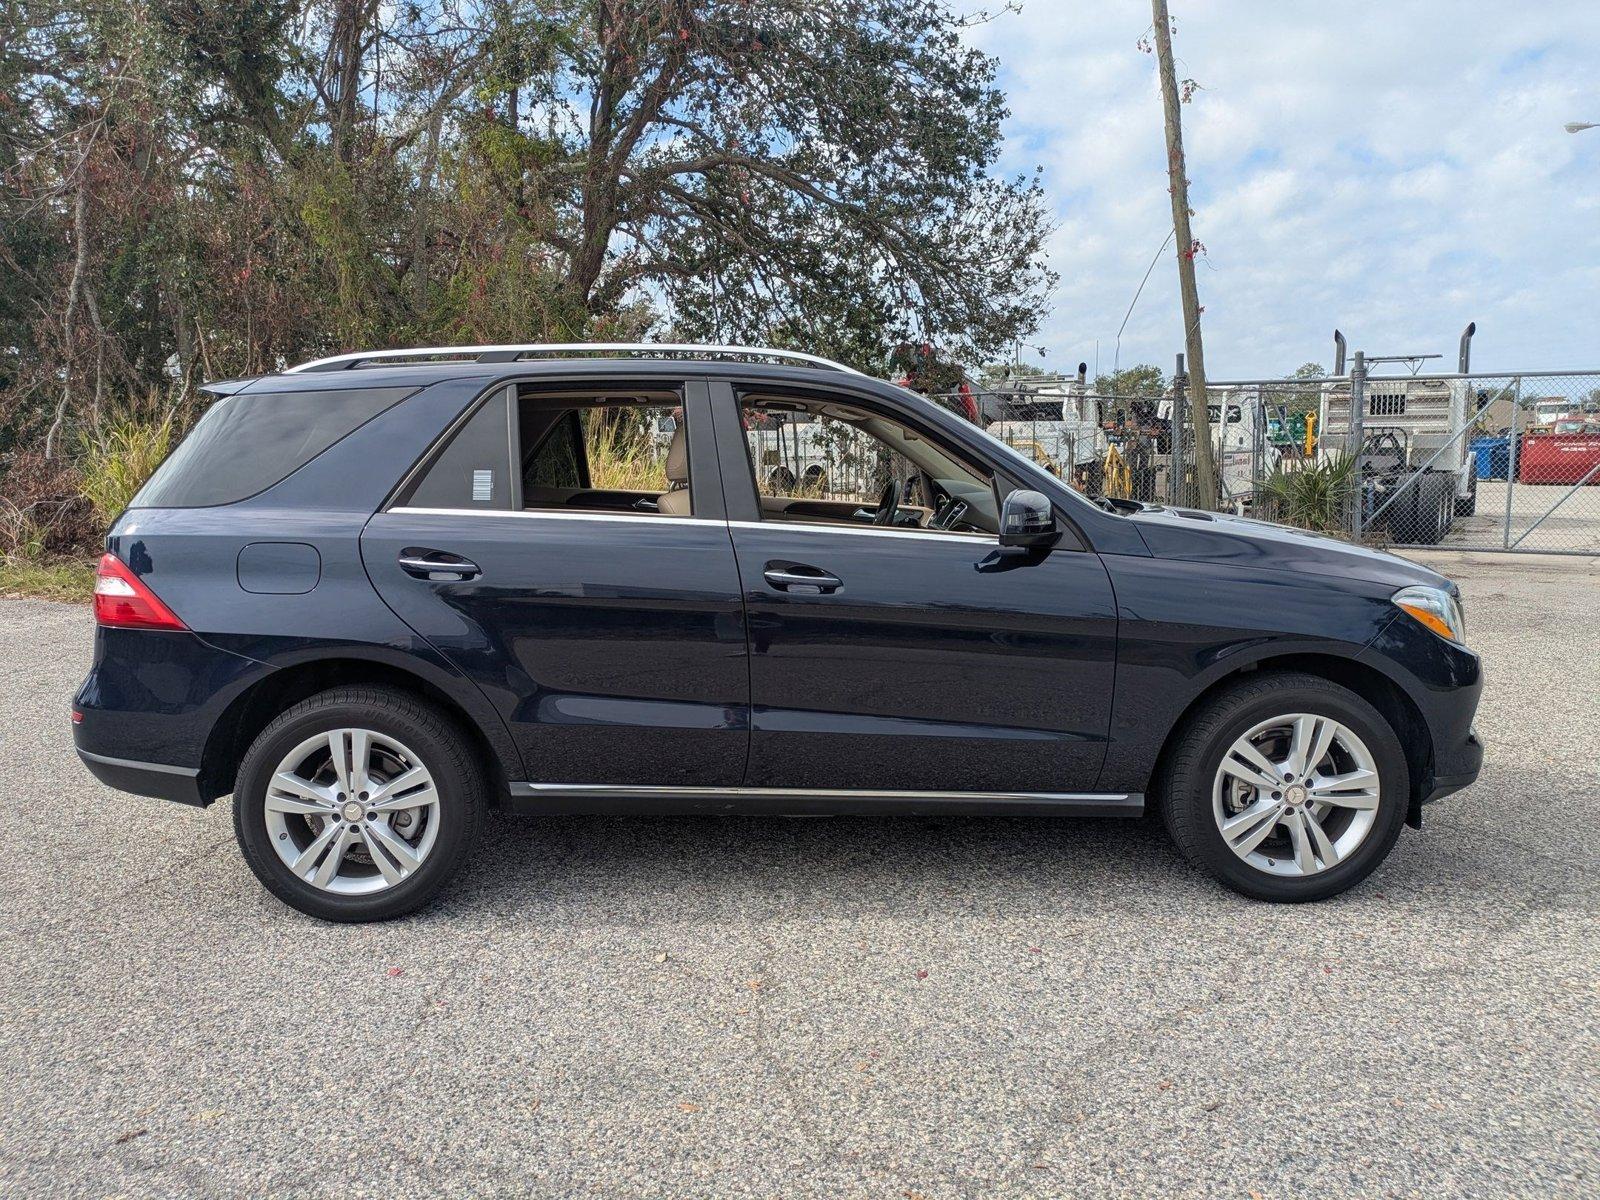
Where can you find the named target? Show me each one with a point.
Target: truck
(1418, 470)
(1410, 426)
(1239, 439)
(1058, 424)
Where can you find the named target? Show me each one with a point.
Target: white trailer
(1409, 426)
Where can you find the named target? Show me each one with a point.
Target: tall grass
(622, 455)
(1313, 495)
(118, 458)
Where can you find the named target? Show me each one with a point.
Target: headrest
(678, 457)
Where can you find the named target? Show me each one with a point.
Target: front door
(566, 549)
(893, 647)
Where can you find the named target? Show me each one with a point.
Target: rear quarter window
(251, 440)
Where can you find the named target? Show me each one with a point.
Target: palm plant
(1314, 494)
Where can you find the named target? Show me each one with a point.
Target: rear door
(545, 550)
(904, 658)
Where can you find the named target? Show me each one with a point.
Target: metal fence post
(1180, 425)
(1513, 452)
(1358, 413)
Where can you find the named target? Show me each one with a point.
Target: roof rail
(513, 353)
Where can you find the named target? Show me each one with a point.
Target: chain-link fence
(1507, 461)
(1504, 461)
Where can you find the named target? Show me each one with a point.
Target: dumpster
(1559, 458)
(1493, 455)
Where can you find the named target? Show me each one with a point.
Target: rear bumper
(142, 718)
(145, 778)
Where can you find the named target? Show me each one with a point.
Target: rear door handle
(439, 566)
(803, 579)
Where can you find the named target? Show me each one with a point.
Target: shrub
(622, 454)
(42, 511)
(118, 459)
(1313, 495)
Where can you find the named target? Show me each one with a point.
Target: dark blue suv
(378, 594)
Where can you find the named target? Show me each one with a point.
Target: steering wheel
(888, 504)
(951, 511)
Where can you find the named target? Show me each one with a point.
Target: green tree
(1143, 381)
(753, 169)
(194, 188)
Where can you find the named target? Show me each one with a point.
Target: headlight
(1435, 608)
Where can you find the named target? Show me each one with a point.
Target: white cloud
(1395, 169)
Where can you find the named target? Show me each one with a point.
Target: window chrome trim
(557, 515)
(867, 530)
(656, 518)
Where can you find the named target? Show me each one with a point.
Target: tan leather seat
(674, 502)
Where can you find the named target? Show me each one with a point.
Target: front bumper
(1444, 681)
(1466, 762)
(145, 778)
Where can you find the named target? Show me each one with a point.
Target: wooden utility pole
(1205, 474)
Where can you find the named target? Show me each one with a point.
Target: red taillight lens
(122, 601)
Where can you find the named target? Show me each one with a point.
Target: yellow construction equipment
(1118, 479)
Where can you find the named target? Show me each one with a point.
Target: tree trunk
(80, 260)
(1204, 464)
(422, 226)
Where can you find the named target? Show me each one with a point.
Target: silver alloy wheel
(352, 811)
(1296, 795)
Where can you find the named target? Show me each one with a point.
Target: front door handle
(798, 577)
(438, 566)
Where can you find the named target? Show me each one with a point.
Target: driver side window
(820, 461)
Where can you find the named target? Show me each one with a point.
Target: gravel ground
(895, 1008)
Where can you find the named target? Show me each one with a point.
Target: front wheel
(358, 804)
(1286, 787)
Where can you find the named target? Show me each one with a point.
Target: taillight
(122, 601)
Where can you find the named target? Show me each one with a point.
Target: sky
(1393, 169)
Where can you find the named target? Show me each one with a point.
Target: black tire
(444, 748)
(1404, 515)
(1184, 789)
(1435, 495)
(1468, 505)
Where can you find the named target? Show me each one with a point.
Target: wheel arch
(1371, 684)
(255, 708)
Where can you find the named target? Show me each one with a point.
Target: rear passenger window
(605, 453)
(474, 468)
(251, 440)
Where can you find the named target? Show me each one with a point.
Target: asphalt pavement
(837, 1007)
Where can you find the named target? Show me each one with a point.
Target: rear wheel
(1286, 787)
(358, 804)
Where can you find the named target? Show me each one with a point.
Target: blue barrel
(1493, 455)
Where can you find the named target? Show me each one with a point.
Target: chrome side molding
(605, 797)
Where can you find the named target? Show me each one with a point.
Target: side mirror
(1026, 519)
